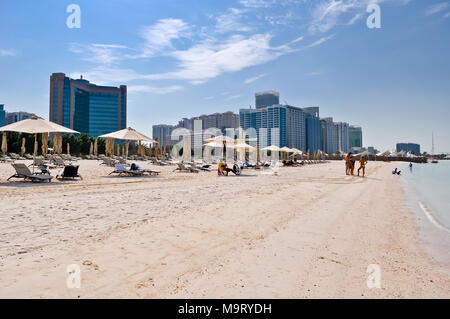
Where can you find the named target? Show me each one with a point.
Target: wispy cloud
(256, 3)
(320, 41)
(98, 53)
(230, 21)
(436, 8)
(210, 59)
(253, 79)
(8, 52)
(160, 35)
(152, 89)
(232, 97)
(330, 13)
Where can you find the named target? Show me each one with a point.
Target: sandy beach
(308, 232)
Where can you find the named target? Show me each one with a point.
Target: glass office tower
(86, 107)
(2, 115)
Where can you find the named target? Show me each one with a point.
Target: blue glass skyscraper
(86, 107)
(2, 115)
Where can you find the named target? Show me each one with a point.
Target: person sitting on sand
(223, 169)
(362, 165)
(396, 171)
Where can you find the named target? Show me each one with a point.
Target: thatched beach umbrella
(44, 146)
(4, 143)
(36, 125)
(22, 148)
(186, 149)
(96, 147)
(164, 150)
(127, 134)
(91, 149)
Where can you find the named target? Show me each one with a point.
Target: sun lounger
(136, 171)
(182, 168)
(22, 171)
(108, 162)
(16, 157)
(69, 172)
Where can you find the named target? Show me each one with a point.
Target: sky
(184, 58)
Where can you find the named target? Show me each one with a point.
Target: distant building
(355, 136)
(221, 121)
(86, 107)
(163, 132)
(372, 150)
(268, 98)
(313, 129)
(14, 117)
(408, 147)
(2, 115)
(281, 125)
(342, 137)
(328, 133)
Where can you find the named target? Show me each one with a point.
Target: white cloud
(353, 20)
(297, 40)
(160, 35)
(253, 79)
(328, 14)
(229, 21)
(320, 41)
(152, 89)
(8, 52)
(436, 8)
(209, 59)
(232, 97)
(256, 3)
(98, 53)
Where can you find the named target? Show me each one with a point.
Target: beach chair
(122, 171)
(182, 168)
(22, 171)
(16, 157)
(69, 172)
(58, 161)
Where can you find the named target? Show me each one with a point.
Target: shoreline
(434, 236)
(309, 232)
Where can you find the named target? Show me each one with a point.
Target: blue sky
(187, 58)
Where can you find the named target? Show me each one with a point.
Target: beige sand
(308, 232)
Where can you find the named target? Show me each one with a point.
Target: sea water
(427, 187)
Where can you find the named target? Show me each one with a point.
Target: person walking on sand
(351, 164)
(362, 165)
(347, 164)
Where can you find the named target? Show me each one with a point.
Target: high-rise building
(86, 107)
(2, 115)
(221, 121)
(163, 132)
(355, 136)
(341, 137)
(281, 125)
(328, 133)
(13, 117)
(408, 147)
(313, 129)
(268, 98)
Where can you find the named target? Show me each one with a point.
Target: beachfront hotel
(408, 147)
(86, 107)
